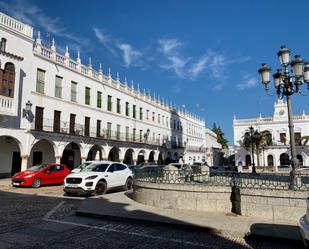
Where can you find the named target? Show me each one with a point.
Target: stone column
(83, 159)
(58, 159)
(24, 162)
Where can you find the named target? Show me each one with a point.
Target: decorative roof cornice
(13, 56)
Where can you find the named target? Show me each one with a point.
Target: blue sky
(203, 55)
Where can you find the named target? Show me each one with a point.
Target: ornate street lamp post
(286, 83)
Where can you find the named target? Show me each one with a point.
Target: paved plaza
(45, 218)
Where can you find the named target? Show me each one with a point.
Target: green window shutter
(87, 96)
(99, 99)
(109, 103)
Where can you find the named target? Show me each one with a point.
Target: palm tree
(258, 140)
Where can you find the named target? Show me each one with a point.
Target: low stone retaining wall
(184, 197)
(276, 205)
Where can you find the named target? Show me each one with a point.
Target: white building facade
(278, 153)
(55, 109)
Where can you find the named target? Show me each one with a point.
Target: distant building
(277, 154)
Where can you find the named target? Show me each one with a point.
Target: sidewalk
(119, 206)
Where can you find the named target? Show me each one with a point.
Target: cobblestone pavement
(30, 220)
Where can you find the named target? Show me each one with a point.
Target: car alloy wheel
(100, 188)
(36, 183)
(129, 184)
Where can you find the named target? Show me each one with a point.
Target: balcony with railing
(48, 125)
(7, 105)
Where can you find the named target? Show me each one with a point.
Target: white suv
(98, 177)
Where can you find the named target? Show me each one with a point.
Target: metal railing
(63, 127)
(222, 178)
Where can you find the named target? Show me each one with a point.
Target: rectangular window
(87, 126)
(99, 99)
(283, 137)
(40, 81)
(98, 128)
(127, 109)
(109, 103)
(127, 133)
(140, 113)
(57, 115)
(73, 91)
(141, 136)
(147, 114)
(87, 95)
(134, 134)
(159, 118)
(118, 132)
(166, 121)
(134, 111)
(118, 106)
(109, 130)
(72, 123)
(153, 117)
(58, 87)
(39, 118)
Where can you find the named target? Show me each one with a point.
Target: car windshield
(95, 167)
(83, 165)
(37, 168)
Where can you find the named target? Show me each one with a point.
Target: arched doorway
(10, 156)
(71, 156)
(151, 157)
(92, 154)
(270, 161)
(176, 157)
(113, 155)
(42, 152)
(128, 157)
(168, 158)
(141, 157)
(284, 159)
(160, 159)
(248, 160)
(300, 159)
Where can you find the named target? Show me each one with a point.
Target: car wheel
(100, 188)
(129, 184)
(36, 183)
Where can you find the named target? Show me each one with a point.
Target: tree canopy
(220, 135)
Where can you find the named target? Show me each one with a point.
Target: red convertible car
(42, 174)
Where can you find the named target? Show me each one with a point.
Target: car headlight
(29, 176)
(91, 177)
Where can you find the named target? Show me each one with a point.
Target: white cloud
(105, 39)
(31, 14)
(175, 64)
(248, 81)
(169, 45)
(198, 67)
(130, 56)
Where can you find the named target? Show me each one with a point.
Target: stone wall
(185, 197)
(280, 206)
(277, 205)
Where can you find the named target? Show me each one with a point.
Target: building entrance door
(16, 163)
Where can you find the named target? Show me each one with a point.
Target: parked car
(83, 165)
(181, 166)
(98, 178)
(41, 174)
